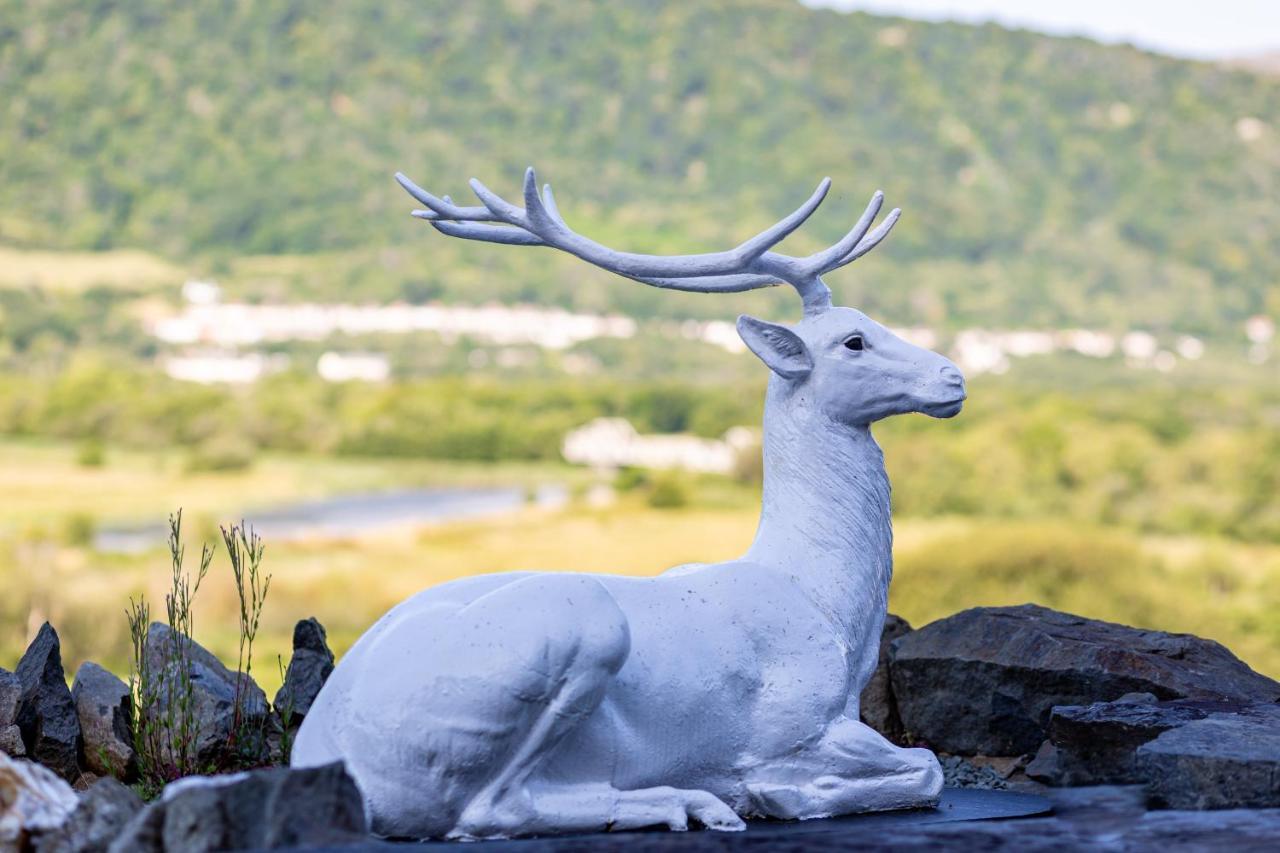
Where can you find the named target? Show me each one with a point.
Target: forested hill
(1044, 180)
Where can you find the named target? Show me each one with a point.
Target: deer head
(856, 370)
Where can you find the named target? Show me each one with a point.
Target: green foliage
(1045, 180)
(245, 549)
(669, 491)
(165, 727)
(91, 453)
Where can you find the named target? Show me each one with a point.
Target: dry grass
(74, 271)
(1219, 589)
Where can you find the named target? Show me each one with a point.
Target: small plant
(286, 718)
(165, 728)
(245, 549)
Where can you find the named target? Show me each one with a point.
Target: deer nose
(951, 374)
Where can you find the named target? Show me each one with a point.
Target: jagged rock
(984, 680)
(10, 696)
(32, 800)
(105, 708)
(101, 814)
(11, 741)
(10, 734)
(1096, 744)
(877, 705)
(262, 810)
(309, 668)
(213, 699)
(1225, 760)
(46, 712)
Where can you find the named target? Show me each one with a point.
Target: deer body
(526, 703)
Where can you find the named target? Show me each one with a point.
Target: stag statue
(532, 703)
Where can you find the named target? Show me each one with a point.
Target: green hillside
(1044, 180)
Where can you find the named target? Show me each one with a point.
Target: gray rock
(984, 680)
(1096, 744)
(309, 668)
(101, 814)
(1225, 760)
(958, 772)
(10, 735)
(10, 696)
(11, 741)
(46, 712)
(213, 701)
(262, 810)
(877, 705)
(105, 709)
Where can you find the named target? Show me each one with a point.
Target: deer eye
(855, 343)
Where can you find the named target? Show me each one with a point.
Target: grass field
(1219, 589)
(73, 271)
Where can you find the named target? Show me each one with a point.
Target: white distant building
(614, 443)
(235, 324)
(214, 368)
(353, 367)
(196, 292)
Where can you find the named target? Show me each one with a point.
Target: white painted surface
(524, 703)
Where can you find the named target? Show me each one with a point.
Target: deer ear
(777, 346)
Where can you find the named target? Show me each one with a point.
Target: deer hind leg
(851, 769)
(586, 642)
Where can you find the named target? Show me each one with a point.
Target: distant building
(614, 443)
(353, 367)
(211, 368)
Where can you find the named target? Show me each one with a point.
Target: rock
(10, 735)
(261, 810)
(46, 712)
(11, 741)
(1096, 744)
(959, 772)
(309, 668)
(877, 705)
(984, 680)
(32, 800)
(105, 709)
(10, 696)
(100, 815)
(1225, 760)
(213, 700)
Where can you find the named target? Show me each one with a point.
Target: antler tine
(772, 236)
(442, 208)
(824, 260)
(870, 241)
(485, 233)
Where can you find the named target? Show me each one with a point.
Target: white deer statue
(533, 703)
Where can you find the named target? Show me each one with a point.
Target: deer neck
(824, 519)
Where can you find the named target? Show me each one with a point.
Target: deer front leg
(851, 769)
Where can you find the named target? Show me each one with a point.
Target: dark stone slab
(956, 805)
(274, 809)
(1096, 744)
(309, 668)
(105, 708)
(877, 705)
(46, 713)
(984, 680)
(1226, 760)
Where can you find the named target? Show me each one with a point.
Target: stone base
(957, 805)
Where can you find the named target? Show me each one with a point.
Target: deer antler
(748, 266)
